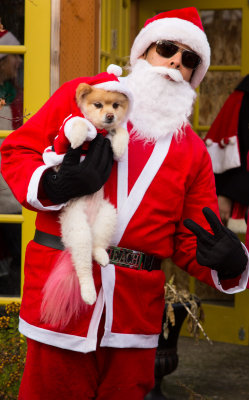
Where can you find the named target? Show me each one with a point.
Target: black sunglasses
(168, 49)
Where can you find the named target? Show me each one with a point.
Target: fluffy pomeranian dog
(87, 223)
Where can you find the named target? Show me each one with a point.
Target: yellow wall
(36, 52)
(115, 32)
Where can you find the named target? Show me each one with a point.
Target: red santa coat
(154, 187)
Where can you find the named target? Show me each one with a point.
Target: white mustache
(174, 74)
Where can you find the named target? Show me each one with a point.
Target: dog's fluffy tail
(61, 294)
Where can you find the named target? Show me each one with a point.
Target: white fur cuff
(91, 132)
(224, 158)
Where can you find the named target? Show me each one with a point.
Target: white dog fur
(88, 223)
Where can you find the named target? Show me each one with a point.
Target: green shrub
(12, 353)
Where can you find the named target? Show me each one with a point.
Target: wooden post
(79, 38)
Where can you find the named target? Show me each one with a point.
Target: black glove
(76, 178)
(221, 251)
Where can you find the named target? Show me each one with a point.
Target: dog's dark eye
(115, 105)
(98, 105)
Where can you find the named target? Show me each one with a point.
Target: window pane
(10, 243)
(223, 29)
(209, 294)
(10, 259)
(8, 203)
(11, 91)
(12, 17)
(214, 90)
(203, 291)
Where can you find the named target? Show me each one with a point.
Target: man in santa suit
(159, 188)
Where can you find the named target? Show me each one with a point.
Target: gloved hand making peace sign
(222, 250)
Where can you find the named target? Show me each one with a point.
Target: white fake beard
(160, 105)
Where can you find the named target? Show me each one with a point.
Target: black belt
(118, 255)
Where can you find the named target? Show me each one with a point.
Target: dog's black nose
(109, 117)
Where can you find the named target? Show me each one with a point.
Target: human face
(175, 61)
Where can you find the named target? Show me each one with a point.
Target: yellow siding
(36, 52)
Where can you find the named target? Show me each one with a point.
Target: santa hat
(7, 39)
(182, 26)
(110, 81)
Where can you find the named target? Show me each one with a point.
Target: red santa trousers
(105, 374)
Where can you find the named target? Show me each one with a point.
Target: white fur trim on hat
(115, 86)
(178, 30)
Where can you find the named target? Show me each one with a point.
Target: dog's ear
(81, 91)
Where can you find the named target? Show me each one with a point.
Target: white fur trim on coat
(32, 194)
(57, 339)
(178, 30)
(51, 158)
(224, 158)
(128, 203)
(66, 341)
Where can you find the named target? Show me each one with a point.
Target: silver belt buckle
(125, 257)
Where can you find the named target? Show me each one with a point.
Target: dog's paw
(119, 143)
(88, 294)
(77, 132)
(101, 256)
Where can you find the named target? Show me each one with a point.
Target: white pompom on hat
(7, 39)
(183, 26)
(114, 69)
(109, 81)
